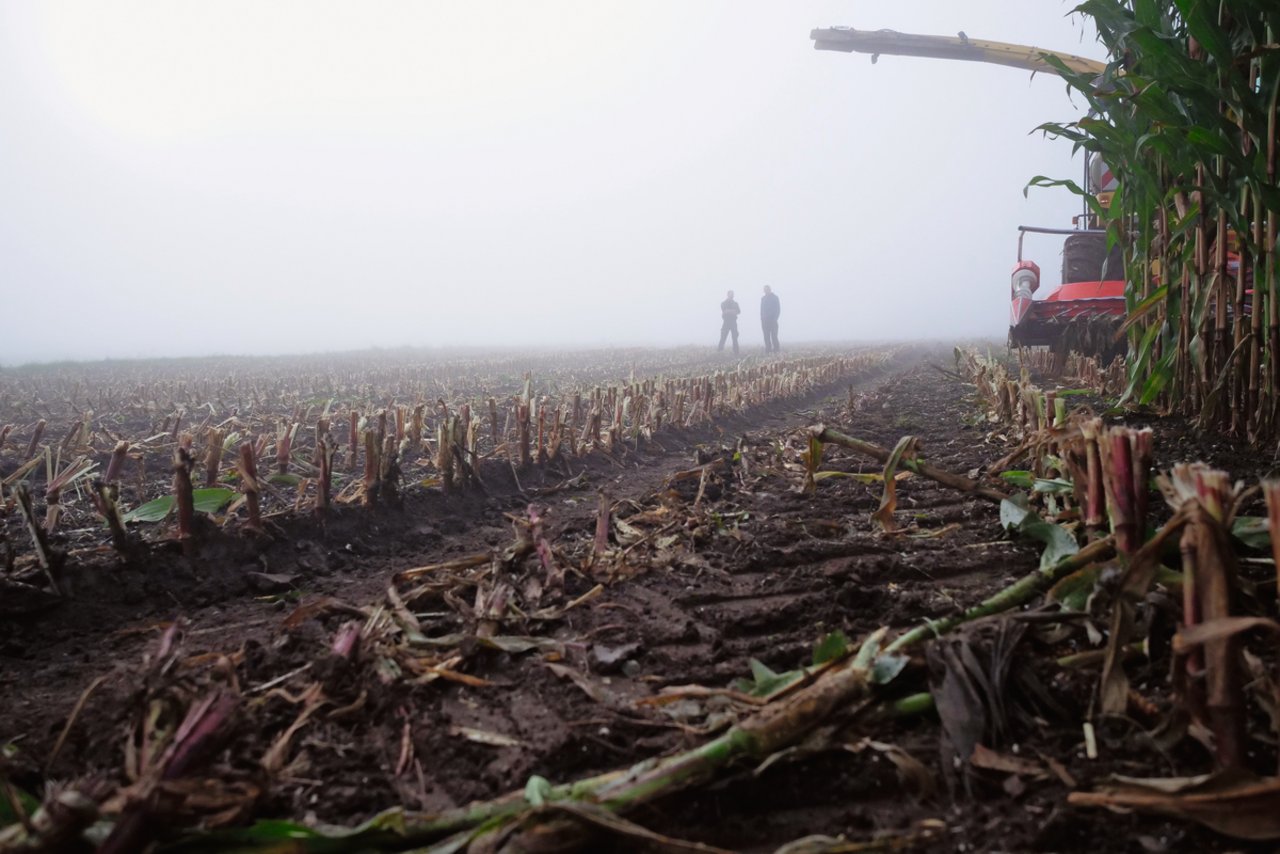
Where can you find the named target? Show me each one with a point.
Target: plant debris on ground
(925, 603)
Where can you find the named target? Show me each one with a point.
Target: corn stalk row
(253, 469)
(1185, 116)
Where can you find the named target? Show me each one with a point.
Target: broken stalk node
(600, 543)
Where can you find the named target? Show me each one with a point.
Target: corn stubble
(1099, 474)
(1208, 673)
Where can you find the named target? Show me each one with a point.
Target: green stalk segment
(1019, 593)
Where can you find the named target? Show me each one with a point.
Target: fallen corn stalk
(1019, 593)
(867, 449)
(1233, 803)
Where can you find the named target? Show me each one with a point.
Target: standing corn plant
(1185, 116)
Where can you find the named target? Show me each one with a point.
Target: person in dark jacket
(770, 308)
(729, 312)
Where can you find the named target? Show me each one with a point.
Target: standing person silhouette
(770, 308)
(729, 312)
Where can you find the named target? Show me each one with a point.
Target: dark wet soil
(701, 577)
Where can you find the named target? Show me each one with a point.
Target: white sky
(180, 178)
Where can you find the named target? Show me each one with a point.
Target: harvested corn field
(643, 630)
(814, 586)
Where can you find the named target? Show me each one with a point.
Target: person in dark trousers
(729, 312)
(770, 308)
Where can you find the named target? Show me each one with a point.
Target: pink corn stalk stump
(353, 439)
(1209, 675)
(372, 468)
(284, 446)
(35, 439)
(322, 433)
(213, 457)
(183, 465)
(326, 450)
(389, 471)
(522, 425)
(251, 487)
(105, 504)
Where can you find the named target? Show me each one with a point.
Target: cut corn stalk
(183, 465)
(251, 487)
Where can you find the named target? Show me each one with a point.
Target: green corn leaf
(1142, 309)
(26, 802)
(1053, 486)
(1160, 377)
(1206, 31)
(152, 511)
(1012, 512)
(385, 831)
(213, 499)
(1059, 543)
(1020, 479)
(1073, 592)
(1209, 141)
(887, 666)
(537, 791)
(206, 501)
(766, 681)
(1137, 371)
(1253, 531)
(831, 647)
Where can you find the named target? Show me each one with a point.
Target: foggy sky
(182, 178)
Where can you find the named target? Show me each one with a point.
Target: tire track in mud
(801, 578)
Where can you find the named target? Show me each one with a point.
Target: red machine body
(1092, 287)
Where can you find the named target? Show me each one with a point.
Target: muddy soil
(716, 559)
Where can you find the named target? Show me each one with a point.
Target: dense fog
(182, 178)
